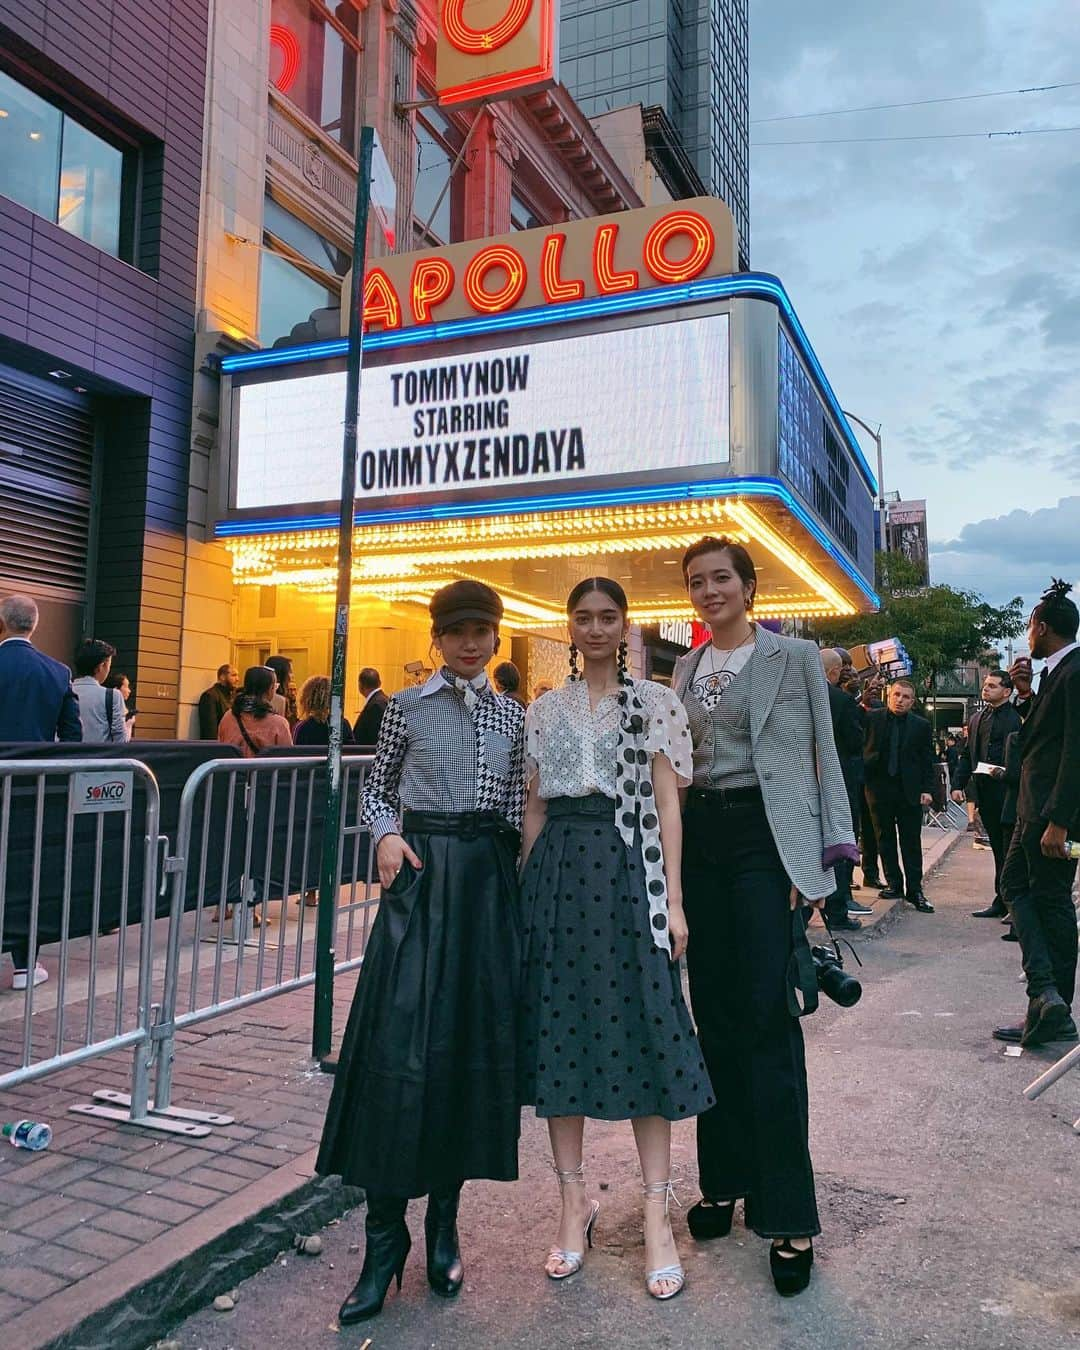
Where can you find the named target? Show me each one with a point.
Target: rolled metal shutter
(46, 474)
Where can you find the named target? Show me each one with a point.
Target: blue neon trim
(760, 285)
(516, 506)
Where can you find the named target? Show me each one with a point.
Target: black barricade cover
(227, 840)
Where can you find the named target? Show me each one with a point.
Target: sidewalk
(114, 1234)
(114, 1230)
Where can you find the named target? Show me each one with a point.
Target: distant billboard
(905, 533)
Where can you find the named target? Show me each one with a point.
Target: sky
(938, 280)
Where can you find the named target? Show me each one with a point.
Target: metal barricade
(244, 874)
(76, 870)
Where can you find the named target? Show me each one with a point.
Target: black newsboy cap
(463, 600)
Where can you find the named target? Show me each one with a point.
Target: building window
(301, 272)
(314, 59)
(59, 169)
(522, 215)
(438, 202)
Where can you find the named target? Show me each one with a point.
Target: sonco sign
(488, 48)
(605, 255)
(93, 793)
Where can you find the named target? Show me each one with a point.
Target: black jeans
(1039, 894)
(991, 802)
(754, 1141)
(892, 813)
(868, 844)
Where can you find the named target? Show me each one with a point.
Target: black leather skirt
(425, 1096)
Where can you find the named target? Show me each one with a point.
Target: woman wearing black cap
(424, 1097)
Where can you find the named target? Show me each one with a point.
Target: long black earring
(573, 662)
(622, 661)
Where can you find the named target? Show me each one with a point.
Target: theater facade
(578, 399)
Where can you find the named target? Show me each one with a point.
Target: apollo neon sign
(610, 255)
(491, 48)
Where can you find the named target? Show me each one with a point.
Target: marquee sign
(604, 255)
(540, 416)
(490, 48)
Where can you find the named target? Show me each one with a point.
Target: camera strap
(802, 990)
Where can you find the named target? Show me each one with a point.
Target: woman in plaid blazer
(765, 820)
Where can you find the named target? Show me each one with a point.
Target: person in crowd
(313, 728)
(1010, 781)
(216, 701)
(102, 710)
(507, 680)
(872, 690)
(425, 1095)
(604, 1029)
(375, 701)
(285, 698)
(988, 730)
(122, 684)
(952, 757)
(1038, 876)
(38, 704)
(766, 821)
(542, 687)
(899, 786)
(848, 723)
(251, 724)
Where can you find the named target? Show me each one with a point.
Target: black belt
(720, 798)
(463, 824)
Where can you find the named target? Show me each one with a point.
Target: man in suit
(848, 724)
(369, 722)
(988, 731)
(37, 704)
(1038, 875)
(899, 762)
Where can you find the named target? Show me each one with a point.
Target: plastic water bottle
(28, 1134)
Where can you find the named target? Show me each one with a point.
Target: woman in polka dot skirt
(605, 1032)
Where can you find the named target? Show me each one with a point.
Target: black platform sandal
(790, 1267)
(388, 1244)
(710, 1219)
(445, 1270)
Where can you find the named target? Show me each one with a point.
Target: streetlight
(880, 475)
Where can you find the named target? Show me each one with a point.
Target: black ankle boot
(790, 1272)
(388, 1244)
(710, 1219)
(445, 1271)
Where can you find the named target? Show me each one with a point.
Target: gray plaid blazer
(794, 754)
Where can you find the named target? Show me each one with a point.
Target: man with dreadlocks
(1038, 875)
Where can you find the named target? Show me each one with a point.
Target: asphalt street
(949, 1203)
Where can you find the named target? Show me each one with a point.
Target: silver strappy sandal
(663, 1190)
(573, 1260)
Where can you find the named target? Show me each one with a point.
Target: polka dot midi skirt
(604, 1030)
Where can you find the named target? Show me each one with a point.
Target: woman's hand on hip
(677, 930)
(391, 853)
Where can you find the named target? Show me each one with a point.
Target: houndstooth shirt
(433, 755)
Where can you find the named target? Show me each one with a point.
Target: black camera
(833, 979)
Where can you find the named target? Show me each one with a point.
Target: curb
(139, 1298)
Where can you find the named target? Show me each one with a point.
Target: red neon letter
(381, 304)
(480, 41)
(702, 247)
(608, 281)
(551, 283)
(288, 44)
(432, 282)
(494, 302)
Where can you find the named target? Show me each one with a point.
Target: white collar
(1053, 661)
(17, 637)
(438, 681)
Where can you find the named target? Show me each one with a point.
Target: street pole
(325, 937)
(876, 436)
